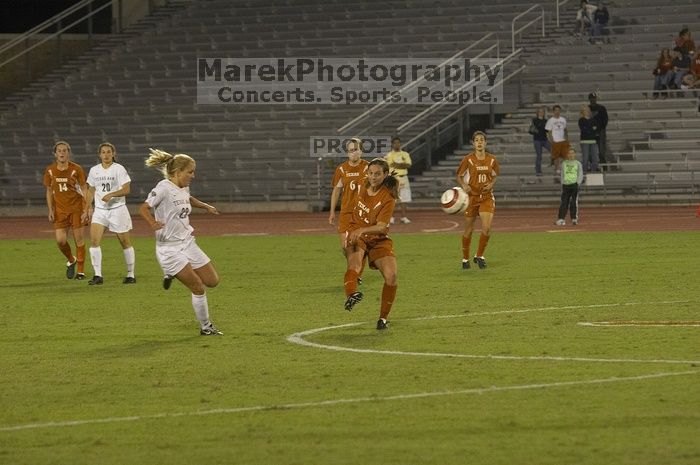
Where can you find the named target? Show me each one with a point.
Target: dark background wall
(20, 15)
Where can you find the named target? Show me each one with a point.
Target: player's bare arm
(49, 204)
(145, 212)
(379, 228)
(334, 201)
(199, 204)
(123, 191)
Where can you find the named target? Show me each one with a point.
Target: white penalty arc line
(453, 226)
(355, 400)
(299, 339)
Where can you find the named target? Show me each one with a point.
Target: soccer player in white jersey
(108, 184)
(176, 250)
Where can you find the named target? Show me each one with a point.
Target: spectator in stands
(399, 162)
(681, 67)
(584, 18)
(663, 73)
(177, 252)
(692, 79)
(589, 145)
(539, 138)
(558, 137)
(571, 179)
(108, 185)
(600, 115)
(65, 198)
(601, 17)
(684, 42)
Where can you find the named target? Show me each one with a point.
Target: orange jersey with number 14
(350, 178)
(65, 186)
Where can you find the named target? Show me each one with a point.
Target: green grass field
(479, 367)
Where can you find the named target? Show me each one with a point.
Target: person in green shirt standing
(571, 179)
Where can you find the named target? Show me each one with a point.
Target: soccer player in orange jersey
(367, 236)
(65, 199)
(477, 174)
(348, 178)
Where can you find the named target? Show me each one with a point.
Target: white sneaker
(574, 222)
(560, 223)
(405, 220)
(392, 221)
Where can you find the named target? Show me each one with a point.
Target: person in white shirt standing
(558, 137)
(176, 250)
(108, 184)
(399, 162)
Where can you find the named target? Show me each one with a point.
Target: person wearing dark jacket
(589, 147)
(600, 115)
(539, 138)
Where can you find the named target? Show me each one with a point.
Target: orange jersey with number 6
(65, 186)
(350, 178)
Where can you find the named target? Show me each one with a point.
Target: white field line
(452, 227)
(355, 400)
(298, 338)
(641, 324)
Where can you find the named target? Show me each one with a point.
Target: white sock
(130, 259)
(201, 309)
(96, 259)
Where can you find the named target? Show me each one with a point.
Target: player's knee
(391, 278)
(212, 282)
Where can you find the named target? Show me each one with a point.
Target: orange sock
(466, 244)
(80, 251)
(388, 296)
(65, 250)
(350, 283)
(483, 240)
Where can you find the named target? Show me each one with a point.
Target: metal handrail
(433, 108)
(51, 36)
(364, 115)
(512, 23)
(430, 128)
(415, 97)
(33, 31)
(559, 3)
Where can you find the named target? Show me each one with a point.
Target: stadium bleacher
(138, 90)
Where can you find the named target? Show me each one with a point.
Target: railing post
(27, 60)
(58, 43)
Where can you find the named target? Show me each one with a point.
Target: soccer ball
(454, 201)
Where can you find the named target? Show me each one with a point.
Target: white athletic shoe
(405, 220)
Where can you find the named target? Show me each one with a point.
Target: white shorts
(404, 189)
(174, 256)
(117, 220)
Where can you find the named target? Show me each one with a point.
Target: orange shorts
(483, 204)
(344, 221)
(376, 247)
(559, 150)
(63, 220)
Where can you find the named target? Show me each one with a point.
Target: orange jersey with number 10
(350, 178)
(477, 173)
(65, 185)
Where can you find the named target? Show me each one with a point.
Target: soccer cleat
(210, 330)
(405, 220)
(167, 281)
(382, 324)
(481, 261)
(359, 280)
(466, 265)
(392, 220)
(70, 269)
(129, 280)
(353, 298)
(96, 281)
(80, 276)
(574, 222)
(560, 222)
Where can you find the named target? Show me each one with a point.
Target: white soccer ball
(454, 201)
